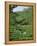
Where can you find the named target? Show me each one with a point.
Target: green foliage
(20, 26)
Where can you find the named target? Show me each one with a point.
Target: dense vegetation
(20, 25)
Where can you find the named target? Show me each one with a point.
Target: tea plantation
(20, 26)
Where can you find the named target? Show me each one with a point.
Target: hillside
(20, 26)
